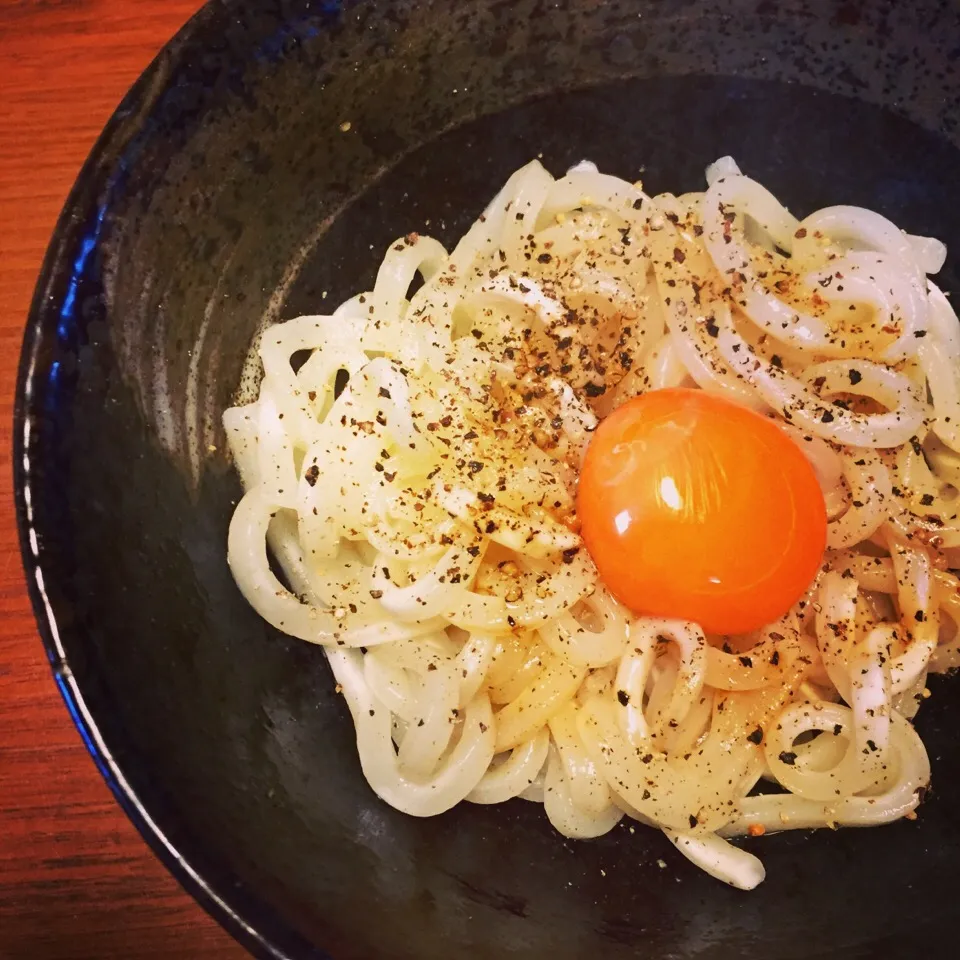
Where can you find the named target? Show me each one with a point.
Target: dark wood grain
(76, 880)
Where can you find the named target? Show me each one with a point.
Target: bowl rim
(262, 935)
(92, 181)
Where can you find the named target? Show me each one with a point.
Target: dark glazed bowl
(225, 193)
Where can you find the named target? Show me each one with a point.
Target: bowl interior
(225, 195)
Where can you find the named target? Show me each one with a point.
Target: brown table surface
(76, 880)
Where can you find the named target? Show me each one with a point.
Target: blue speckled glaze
(223, 195)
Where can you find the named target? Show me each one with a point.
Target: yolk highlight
(696, 508)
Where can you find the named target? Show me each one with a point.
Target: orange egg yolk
(693, 507)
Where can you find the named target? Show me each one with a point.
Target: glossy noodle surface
(412, 462)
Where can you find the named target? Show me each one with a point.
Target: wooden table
(76, 880)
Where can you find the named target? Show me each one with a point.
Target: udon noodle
(414, 477)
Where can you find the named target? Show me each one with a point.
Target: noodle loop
(415, 478)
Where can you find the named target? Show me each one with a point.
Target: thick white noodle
(422, 513)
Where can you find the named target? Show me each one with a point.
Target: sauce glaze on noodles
(424, 515)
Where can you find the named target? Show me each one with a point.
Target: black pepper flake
(827, 417)
(474, 466)
(693, 821)
(592, 389)
(376, 594)
(623, 697)
(713, 329)
(776, 362)
(872, 746)
(801, 233)
(474, 551)
(918, 616)
(483, 727)
(775, 658)
(927, 499)
(746, 661)
(647, 758)
(679, 255)
(431, 666)
(919, 333)
(788, 757)
(646, 795)
(837, 729)
(756, 736)
(490, 527)
(311, 474)
(544, 258)
(855, 376)
(568, 555)
(384, 392)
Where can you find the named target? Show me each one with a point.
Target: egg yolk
(693, 507)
